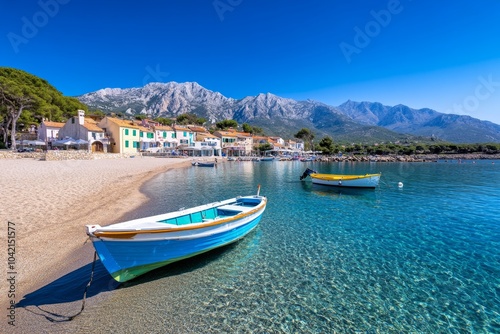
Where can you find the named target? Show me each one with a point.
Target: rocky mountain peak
(349, 119)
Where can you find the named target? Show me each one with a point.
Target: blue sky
(421, 53)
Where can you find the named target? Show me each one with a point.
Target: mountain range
(278, 116)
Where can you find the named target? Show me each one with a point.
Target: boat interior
(210, 214)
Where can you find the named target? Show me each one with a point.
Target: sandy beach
(48, 203)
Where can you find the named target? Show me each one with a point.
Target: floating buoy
(400, 184)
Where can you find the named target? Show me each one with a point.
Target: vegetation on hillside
(26, 99)
(192, 119)
(327, 147)
(226, 124)
(254, 130)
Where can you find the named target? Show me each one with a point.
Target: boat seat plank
(237, 208)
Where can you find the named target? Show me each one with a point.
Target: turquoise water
(424, 258)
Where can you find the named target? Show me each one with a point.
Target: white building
(49, 131)
(86, 129)
(165, 138)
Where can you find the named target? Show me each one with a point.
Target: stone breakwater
(409, 158)
(85, 155)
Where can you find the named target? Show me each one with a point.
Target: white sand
(50, 202)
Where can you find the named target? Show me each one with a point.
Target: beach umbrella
(64, 142)
(80, 142)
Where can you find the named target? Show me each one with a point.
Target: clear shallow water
(424, 258)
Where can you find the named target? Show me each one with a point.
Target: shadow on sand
(71, 287)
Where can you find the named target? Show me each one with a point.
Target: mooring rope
(86, 288)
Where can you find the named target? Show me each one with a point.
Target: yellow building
(124, 135)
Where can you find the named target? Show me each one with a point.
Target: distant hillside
(423, 122)
(351, 121)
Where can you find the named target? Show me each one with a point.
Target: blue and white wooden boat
(134, 247)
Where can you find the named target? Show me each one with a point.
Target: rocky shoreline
(85, 155)
(409, 158)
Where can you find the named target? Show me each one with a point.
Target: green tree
(258, 131)
(15, 98)
(262, 148)
(247, 128)
(326, 145)
(226, 124)
(188, 118)
(435, 149)
(97, 112)
(252, 129)
(307, 136)
(164, 121)
(25, 96)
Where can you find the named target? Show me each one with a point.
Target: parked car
(26, 149)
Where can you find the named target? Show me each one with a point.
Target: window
(126, 143)
(164, 134)
(150, 135)
(126, 132)
(133, 133)
(184, 134)
(173, 135)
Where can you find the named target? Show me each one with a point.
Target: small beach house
(124, 135)
(86, 130)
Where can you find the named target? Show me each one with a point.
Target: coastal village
(108, 134)
(98, 137)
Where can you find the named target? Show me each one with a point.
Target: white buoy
(400, 184)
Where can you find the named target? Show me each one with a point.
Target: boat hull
(203, 164)
(350, 181)
(126, 253)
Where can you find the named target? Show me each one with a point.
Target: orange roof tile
(123, 122)
(204, 135)
(163, 128)
(53, 124)
(227, 133)
(197, 129)
(91, 125)
(144, 129)
(180, 128)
